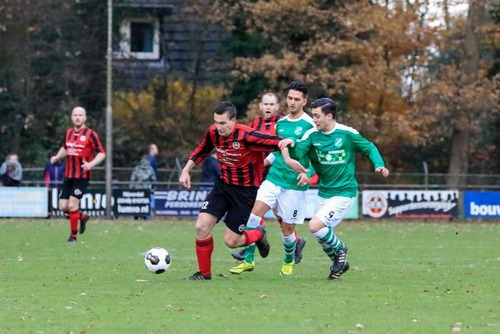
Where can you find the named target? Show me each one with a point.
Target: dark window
(141, 37)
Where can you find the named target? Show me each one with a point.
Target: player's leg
(204, 245)
(78, 188)
(266, 199)
(301, 242)
(237, 234)
(322, 225)
(292, 208)
(214, 207)
(66, 191)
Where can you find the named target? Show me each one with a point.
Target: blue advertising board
(482, 205)
(177, 203)
(23, 202)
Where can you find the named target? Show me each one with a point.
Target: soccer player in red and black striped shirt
(239, 152)
(83, 150)
(269, 105)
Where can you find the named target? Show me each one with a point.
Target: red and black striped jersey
(266, 126)
(80, 146)
(240, 154)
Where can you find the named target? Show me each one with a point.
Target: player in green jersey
(283, 187)
(331, 149)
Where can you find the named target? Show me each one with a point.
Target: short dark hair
(299, 86)
(327, 105)
(225, 106)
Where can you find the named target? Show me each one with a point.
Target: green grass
(405, 277)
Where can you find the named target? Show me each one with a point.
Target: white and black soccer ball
(157, 260)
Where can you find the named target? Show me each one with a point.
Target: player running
(283, 187)
(239, 152)
(332, 149)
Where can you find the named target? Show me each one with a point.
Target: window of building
(140, 39)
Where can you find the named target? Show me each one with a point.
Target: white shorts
(291, 203)
(331, 211)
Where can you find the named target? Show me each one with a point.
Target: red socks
(204, 249)
(251, 236)
(74, 217)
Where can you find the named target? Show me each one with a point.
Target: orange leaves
(173, 116)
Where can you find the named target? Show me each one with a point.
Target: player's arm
(296, 155)
(268, 161)
(60, 156)
(366, 147)
(292, 163)
(185, 178)
(199, 154)
(88, 165)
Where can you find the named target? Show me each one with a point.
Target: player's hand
(303, 179)
(185, 180)
(53, 159)
(286, 142)
(295, 165)
(86, 165)
(382, 170)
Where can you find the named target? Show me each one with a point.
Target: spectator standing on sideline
(143, 175)
(152, 153)
(53, 175)
(11, 171)
(210, 171)
(239, 151)
(283, 187)
(83, 150)
(332, 149)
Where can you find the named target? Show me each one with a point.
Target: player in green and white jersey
(331, 149)
(283, 187)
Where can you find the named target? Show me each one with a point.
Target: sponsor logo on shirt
(298, 130)
(338, 142)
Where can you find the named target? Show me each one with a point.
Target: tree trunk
(459, 157)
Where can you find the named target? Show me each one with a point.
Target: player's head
(323, 113)
(296, 97)
(269, 105)
(225, 118)
(78, 117)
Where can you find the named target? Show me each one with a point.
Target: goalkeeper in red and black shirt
(239, 152)
(83, 150)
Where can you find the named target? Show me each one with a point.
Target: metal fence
(168, 179)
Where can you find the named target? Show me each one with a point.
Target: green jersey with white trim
(333, 156)
(279, 173)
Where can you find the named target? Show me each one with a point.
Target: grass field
(405, 277)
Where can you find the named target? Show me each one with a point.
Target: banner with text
(423, 204)
(179, 202)
(93, 203)
(481, 204)
(133, 202)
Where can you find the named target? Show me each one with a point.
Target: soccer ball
(157, 260)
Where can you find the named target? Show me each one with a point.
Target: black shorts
(73, 187)
(236, 202)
